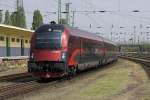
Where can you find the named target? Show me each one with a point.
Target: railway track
(17, 83)
(144, 56)
(21, 88)
(15, 77)
(143, 59)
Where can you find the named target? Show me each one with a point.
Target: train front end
(48, 52)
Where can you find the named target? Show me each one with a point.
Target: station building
(14, 41)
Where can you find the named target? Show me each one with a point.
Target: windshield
(48, 40)
(48, 37)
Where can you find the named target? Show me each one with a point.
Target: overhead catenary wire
(130, 17)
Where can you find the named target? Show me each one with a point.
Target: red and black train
(57, 50)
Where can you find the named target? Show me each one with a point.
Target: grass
(109, 85)
(114, 83)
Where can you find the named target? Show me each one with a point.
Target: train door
(7, 46)
(22, 47)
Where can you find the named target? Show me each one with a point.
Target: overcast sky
(120, 14)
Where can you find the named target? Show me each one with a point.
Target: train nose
(47, 55)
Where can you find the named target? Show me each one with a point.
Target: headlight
(31, 56)
(63, 56)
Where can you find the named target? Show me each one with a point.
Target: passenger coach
(57, 50)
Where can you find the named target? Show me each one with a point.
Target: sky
(119, 14)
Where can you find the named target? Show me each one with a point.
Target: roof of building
(12, 29)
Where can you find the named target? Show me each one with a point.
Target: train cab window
(50, 28)
(2, 38)
(49, 37)
(12, 39)
(50, 40)
(18, 40)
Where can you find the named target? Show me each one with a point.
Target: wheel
(100, 63)
(72, 71)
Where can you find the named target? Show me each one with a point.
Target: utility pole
(68, 13)
(141, 26)
(59, 11)
(134, 36)
(112, 32)
(119, 5)
(21, 3)
(73, 18)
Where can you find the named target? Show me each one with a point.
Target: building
(14, 41)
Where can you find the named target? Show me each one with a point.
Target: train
(57, 50)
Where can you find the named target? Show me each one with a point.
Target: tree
(37, 19)
(18, 17)
(1, 17)
(7, 18)
(63, 21)
(146, 47)
(13, 18)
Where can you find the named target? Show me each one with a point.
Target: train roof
(85, 34)
(75, 32)
(88, 35)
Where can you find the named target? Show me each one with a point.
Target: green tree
(7, 18)
(146, 47)
(18, 17)
(63, 21)
(1, 17)
(13, 18)
(37, 19)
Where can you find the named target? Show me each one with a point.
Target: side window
(26, 41)
(2, 38)
(12, 39)
(18, 40)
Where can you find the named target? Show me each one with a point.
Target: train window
(12, 39)
(48, 41)
(2, 38)
(18, 40)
